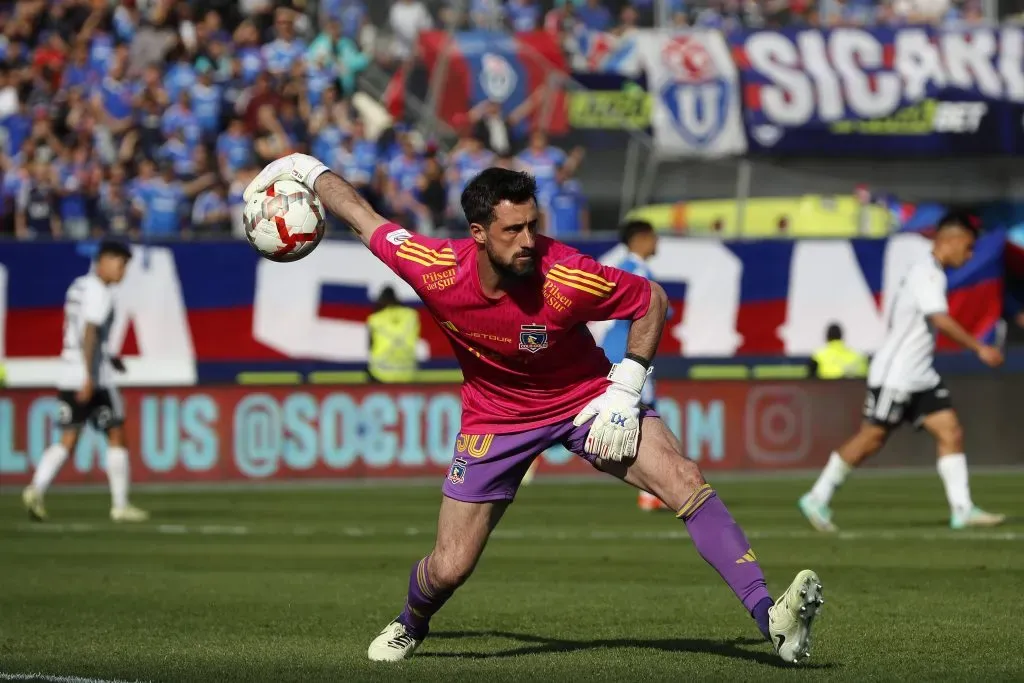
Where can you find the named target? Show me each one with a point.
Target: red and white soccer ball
(284, 222)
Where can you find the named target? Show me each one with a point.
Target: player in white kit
(903, 385)
(86, 388)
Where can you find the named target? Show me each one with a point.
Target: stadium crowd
(149, 117)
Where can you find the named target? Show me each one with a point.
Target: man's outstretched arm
(345, 202)
(338, 196)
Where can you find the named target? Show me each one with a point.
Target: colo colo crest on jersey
(533, 338)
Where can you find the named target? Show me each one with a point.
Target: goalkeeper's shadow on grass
(738, 648)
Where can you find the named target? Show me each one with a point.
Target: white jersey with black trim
(88, 301)
(906, 358)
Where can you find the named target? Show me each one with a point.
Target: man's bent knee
(462, 533)
(678, 482)
(868, 441)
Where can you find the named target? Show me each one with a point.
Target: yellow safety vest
(394, 332)
(836, 360)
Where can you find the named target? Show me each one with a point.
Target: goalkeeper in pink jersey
(514, 305)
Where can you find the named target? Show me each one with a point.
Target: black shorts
(103, 411)
(887, 407)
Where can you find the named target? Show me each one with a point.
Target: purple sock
(423, 601)
(760, 614)
(722, 544)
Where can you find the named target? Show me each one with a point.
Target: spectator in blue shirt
(77, 180)
(347, 164)
(286, 48)
(210, 213)
(367, 158)
(319, 75)
(180, 118)
(180, 77)
(470, 159)
(206, 104)
(113, 100)
(101, 52)
(161, 202)
(78, 74)
(326, 125)
(176, 152)
(403, 173)
(249, 51)
(234, 148)
(564, 207)
(17, 127)
(541, 161)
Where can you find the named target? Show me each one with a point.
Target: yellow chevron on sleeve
(425, 256)
(583, 276)
(409, 245)
(583, 287)
(414, 259)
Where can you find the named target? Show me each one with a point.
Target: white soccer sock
(831, 478)
(953, 470)
(49, 465)
(117, 473)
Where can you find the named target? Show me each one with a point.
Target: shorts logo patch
(457, 473)
(533, 338)
(396, 237)
(103, 417)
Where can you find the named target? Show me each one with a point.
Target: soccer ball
(284, 222)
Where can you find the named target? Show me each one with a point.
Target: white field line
(533, 534)
(543, 479)
(57, 679)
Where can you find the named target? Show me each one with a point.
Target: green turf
(291, 585)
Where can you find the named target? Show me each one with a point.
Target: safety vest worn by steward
(836, 360)
(394, 332)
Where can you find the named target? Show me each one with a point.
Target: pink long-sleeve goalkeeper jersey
(528, 359)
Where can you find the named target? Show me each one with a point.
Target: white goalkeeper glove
(616, 429)
(298, 167)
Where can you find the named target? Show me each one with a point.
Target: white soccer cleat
(818, 514)
(393, 644)
(976, 518)
(129, 513)
(790, 618)
(33, 501)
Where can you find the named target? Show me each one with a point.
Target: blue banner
(883, 92)
(204, 312)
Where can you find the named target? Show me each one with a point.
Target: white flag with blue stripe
(694, 86)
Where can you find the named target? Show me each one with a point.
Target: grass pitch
(291, 585)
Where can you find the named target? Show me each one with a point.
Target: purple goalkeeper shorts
(489, 467)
